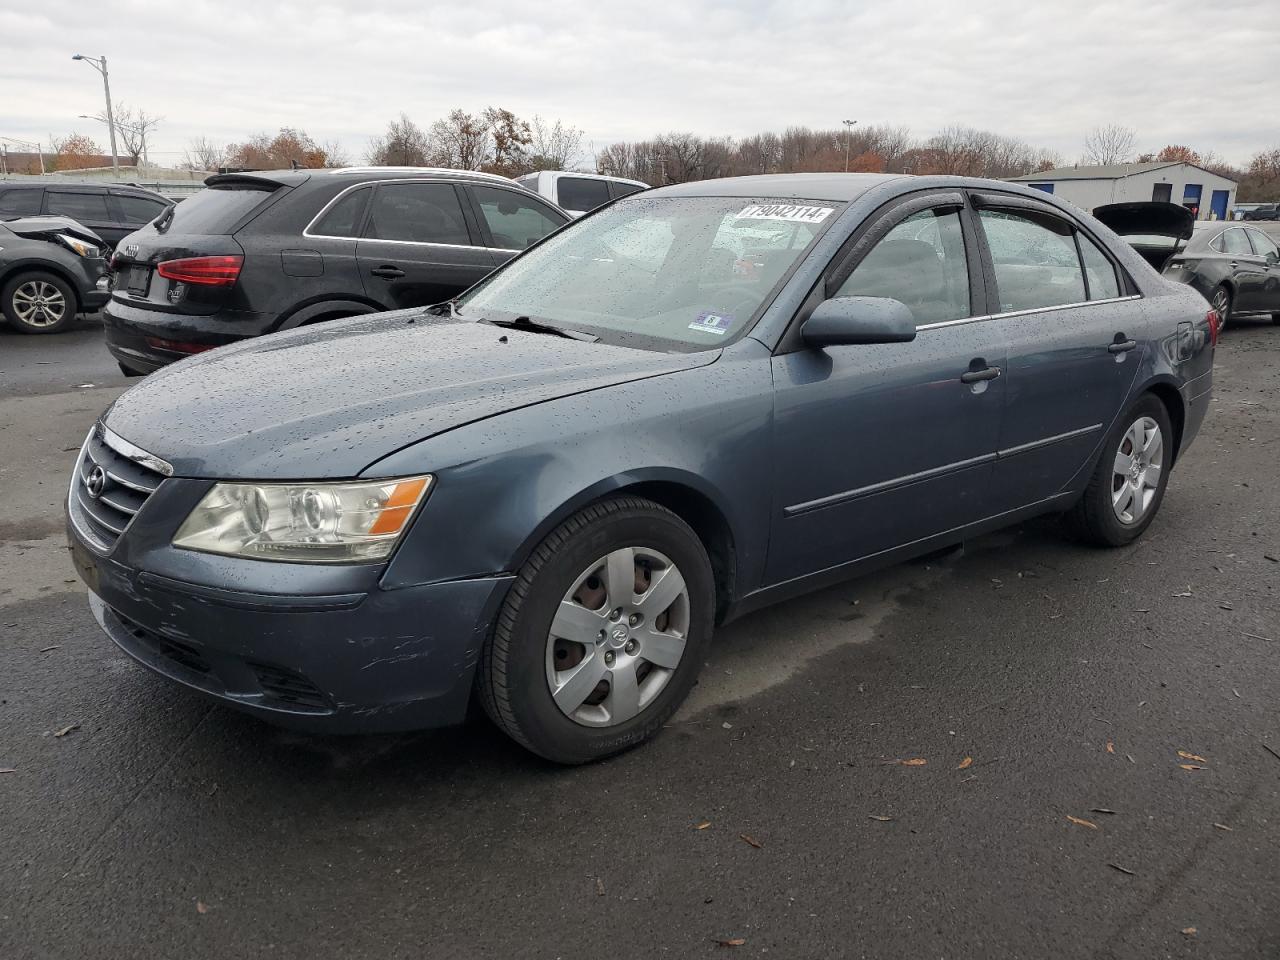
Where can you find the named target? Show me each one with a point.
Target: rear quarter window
(217, 209)
(19, 203)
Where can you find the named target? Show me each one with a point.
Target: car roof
(294, 178)
(59, 184)
(840, 187)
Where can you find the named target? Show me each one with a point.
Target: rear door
(418, 246)
(1248, 270)
(132, 211)
(511, 221)
(1074, 338)
(86, 205)
(1265, 247)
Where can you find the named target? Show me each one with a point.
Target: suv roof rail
(438, 171)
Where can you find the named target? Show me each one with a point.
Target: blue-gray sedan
(690, 403)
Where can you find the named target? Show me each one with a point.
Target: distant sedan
(1235, 267)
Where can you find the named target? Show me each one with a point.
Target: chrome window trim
(1025, 313)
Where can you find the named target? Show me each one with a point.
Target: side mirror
(856, 320)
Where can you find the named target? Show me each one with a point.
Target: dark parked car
(259, 252)
(1236, 268)
(1263, 211)
(688, 404)
(111, 211)
(51, 268)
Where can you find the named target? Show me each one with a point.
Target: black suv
(109, 210)
(265, 251)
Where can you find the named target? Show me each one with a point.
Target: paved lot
(164, 827)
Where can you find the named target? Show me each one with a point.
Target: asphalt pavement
(1026, 749)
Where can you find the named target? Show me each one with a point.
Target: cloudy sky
(1177, 71)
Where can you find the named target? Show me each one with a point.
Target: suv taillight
(1215, 324)
(205, 271)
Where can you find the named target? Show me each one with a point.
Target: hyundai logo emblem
(96, 481)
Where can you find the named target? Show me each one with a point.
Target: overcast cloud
(1178, 71)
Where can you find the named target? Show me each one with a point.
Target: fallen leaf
(703, 825)
(1111, 747)
(1100, 810)
(1190, 766)
(67, 729)
(1083, 823)
(1191, 756)
(1124, 870)
(1220, 826)
(735, 942)
(913, 762)
(1188, 931)
(751, 840)
(599, 887)
(1129, 757)
(965, 764)
(201, 908)
(726, 725)
(8, 770)
(873, 816)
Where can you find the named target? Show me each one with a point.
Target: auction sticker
(784, 211)
(708, 322)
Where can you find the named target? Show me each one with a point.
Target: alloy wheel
(38, 303)
(1221, 304)
(617, 637)
(1138, 465)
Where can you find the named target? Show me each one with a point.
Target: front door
(883, 445)
(418, 247)
(1074, 346)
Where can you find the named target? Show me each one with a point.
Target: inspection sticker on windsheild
(783, 211)
(708, 322)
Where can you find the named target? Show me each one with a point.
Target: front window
(682, 274)
(1035, 259)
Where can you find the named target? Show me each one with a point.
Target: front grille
(125, 478)
(290, 687)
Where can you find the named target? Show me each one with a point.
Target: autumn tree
(75, 152)
(1175, 153)
(509, 140)
(1107, 144)
(462, 140)
(405, 144)
(1261, 182)
(264, 152)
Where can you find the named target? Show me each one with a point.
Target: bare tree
(133, 128)
(335, 154)
(553, 146)
(405, 144)
(203, 154)
(1108, 144)
(463, 140)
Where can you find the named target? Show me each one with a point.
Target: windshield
(680, 273)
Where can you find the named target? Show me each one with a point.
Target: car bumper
(381, 661)
(146, 340)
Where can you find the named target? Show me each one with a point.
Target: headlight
(76, 245)
(303, 522)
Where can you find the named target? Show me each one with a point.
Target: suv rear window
(217, 209)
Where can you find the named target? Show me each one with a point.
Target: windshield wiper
(533, 326)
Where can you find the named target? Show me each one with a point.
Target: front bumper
(379, 661)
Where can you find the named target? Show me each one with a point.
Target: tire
(1221, 295)
(520, 662)
(38, 302)
(1098, 516)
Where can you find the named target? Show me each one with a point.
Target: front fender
(503, 483)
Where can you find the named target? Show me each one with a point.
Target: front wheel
(1128, 483)
(38, 303)
(602, 634)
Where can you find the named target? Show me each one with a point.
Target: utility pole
(848, 135)
(100, 64)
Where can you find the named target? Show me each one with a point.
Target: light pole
(100, 64)
(136, 128)
(28, 143)
(848, 135)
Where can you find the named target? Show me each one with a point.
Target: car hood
(329, 400)
(1148, 218)
(46, 228)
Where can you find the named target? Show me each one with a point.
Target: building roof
(1110, 171)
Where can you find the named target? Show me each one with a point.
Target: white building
(1208, 194)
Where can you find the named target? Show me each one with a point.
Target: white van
(576, 193)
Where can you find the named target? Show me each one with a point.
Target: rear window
(580, 193)
(217, 209)
(19, 203)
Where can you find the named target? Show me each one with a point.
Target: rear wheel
(38, 303)
(601, 636)
(1128, 483)
(1221, 303)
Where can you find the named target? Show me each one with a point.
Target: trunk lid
(1154, 229)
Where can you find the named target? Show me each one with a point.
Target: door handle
(977, 376)
(1122, 346)
(387, 273)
